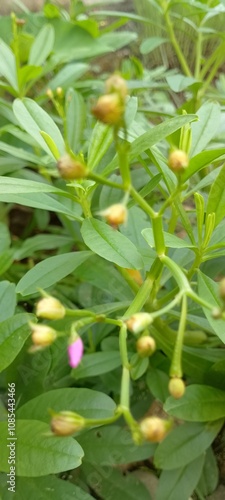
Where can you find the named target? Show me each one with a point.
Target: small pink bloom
(75, 352)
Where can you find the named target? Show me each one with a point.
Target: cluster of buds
(139, 322)
(115, 214)
(176, 387)
(66, 423)
(155, 429)
(110, 107)
(58, 92)
(43, 335)
(178, 161)
(71, 168)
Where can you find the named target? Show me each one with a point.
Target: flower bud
(66, 423)
(136, 275)
(176, 387)
(71, 168)
(178, 161)
(42, 335)
(217, 313)
(138, 322)
(115, 214)
(59, 92)
(109, 109)
(155, 429)
(75, 352)
(222, 289)
(49, 93)
(145, 346)
(50, 308)
(116, 84)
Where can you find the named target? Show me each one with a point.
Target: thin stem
(101, 180)
(141, 297)
(176, 368)
(174, 42)
(142, 203)
(179, 276)
(169, 306)
(158, 233)
(198, 56)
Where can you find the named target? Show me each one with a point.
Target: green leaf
(50, 271)
(51, 144)
(210, 475)
(10, 185)
(7, 300)
(201, 160)
(86, 402)
(179, 82)
(150, 44)
(34, 119)
(42, 242)
(110, 244)
(209, 291)
(75, 118)
(8, 65)
(20, 153)
(5, 238)
(204, 130)
(42, 46)
(110, 483)
(101, 139)
(151, 137)
(68, 75)
(185, 443)
(37, 453)
(41, 200)
(198, 404)
(96, 364)
(216, 200)
(171, 240)
(14, 332)
(138, 366)
(44, 488)
(97, 443)
(180, 483)
(157, 382)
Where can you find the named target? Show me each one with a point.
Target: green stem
(158, 234)
(101, 180)
(198, 56)
(122, 148)
(142, 203)
(169, 306)
(141, 297)
(89, 422)
(174, 42)
(176, 366)
(179, 276)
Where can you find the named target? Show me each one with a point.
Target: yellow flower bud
(138, 322)
(145, 346)
(136, 275)
(176, 387)
(49, 93)
(109, 109)
(155, 429)
(66, 423)
(70, 168)
(178, 161)
(115, 214)
(117, 84)
(42, 335)
(59, 92)
(50, 308)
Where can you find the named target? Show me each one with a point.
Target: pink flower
(75, 352)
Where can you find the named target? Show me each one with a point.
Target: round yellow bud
(49, 93)
(178, 161)
(154, 429)
(115, 214)
(109, 109)
(59, 92)
(117, 84)
(42, 335)
(145, 346)
(138, 322)
(70, 168)
(66, 423)
(176, 387)
(50, 308)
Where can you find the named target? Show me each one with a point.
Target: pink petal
(75, 352)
